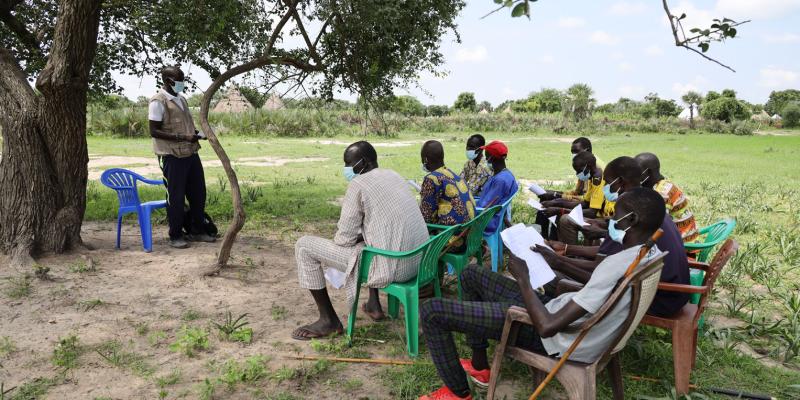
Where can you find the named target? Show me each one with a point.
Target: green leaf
(732, 32)
(498, 1)
(704, 47)
(682, 16)
(520, 10)
(694, 30)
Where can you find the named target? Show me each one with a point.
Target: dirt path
(146, 298)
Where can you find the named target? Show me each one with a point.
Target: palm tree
(578, 101)
(692, 99)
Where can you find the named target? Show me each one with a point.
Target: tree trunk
(43, 171)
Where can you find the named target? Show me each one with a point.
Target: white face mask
(178, 87)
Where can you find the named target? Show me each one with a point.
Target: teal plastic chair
(474, 240)
(406, 293)
(494, 241)
(715, 234)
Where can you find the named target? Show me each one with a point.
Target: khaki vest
(175, 121)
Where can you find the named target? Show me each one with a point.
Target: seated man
(475, 172)
(676, 201)
(377, 210)
(501, 186)
(487, 297)
(676, 265)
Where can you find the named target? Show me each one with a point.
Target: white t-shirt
(591, 298)
(155, 111)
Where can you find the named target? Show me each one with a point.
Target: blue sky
(620, 48)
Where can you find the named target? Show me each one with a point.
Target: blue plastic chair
(124, 183)
(494, 241)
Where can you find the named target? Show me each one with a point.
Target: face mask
(616, 234)
(472, 154)
(646, 177)
(425, 169)
(489, 164)
(607, 192)
(349, 173)
(178, 87)
(583, 176)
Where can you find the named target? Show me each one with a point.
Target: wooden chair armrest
(518, 314)
(698, 265)
(677, 287)
(567, 286)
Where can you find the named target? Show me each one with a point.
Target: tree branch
(675, 24)
(311, 47)
(15, 92)
(19, 29)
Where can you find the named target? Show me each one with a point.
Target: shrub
(791, 115)
(725, 109)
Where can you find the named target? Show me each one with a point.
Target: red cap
(496, 148)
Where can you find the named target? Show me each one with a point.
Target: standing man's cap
(496, 148)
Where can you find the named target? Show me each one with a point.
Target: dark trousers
(487, 297)
(548, 230)
(185, 180)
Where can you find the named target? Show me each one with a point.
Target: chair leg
(119, 229)
(615, 377)
(694, 347)
(497, 360)
(412, 323)
(394, 306)
(682, 357)
(351, 319)
(145, 228)
(579, 384)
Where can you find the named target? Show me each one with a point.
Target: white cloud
(782, 38)
(751, 9)
(697, 84)
(625, 66)
(547, 59)
(603, 37)
(571, 22)
(653, 51)
(475, 54)
(507, 91)
(624, 8)
(617, 55)
(631, 91)
(774, 77)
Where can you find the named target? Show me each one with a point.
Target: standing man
(475, 172)
(379, 211)
(175, 142)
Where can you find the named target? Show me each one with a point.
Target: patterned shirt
(476, 176)
(445, 198)
(678, 208)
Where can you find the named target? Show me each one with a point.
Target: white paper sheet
(553, 220)
(335, 277)
(415, 185)
(535, 204)
(536, 189)
(577, 215)
(519, 239)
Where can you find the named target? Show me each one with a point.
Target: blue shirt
(497, 190)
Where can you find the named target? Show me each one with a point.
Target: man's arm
(429, 200)
(546, 323)
(351, 219)
(157, 131)
(580, 270)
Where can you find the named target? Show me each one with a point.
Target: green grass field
(751, 178)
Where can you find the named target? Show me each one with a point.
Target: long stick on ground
(355, 360)
(642, 252)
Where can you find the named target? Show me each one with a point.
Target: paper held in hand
(577, 215)
(536, 189)
(415, 185)
(535, 204)
(553, 220)
(335, 277)
(519, 239)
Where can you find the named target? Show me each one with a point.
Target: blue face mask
(472, 154)
(178, 86)
(349, 173)
(616, 234)
(583, 176)
(607, 192)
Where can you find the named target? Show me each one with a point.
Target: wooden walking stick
(642, 253)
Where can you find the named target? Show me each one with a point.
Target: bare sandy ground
(156, 291)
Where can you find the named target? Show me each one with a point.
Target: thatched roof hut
(273, 103)
(233, 102)
(760, 117)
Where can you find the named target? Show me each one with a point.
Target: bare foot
(318, 329)
(374, 314)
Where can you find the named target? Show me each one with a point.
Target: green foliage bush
(791, 115)
(466, 102)
(779, 99)
(725, 109)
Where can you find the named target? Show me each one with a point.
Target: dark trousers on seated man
(481, 316)
(184, 179)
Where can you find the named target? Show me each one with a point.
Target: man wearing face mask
(675, 199)
(578, 146)
(501, 186)
(623, 173)
(175, 142)
(379, 211)
(444, 197)
(475, 172)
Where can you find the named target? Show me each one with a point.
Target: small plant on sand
(115, 355)
(235, 329)
(67, 351)
(251, 370)
(7, 346)
(81, 267)
(191, 315)
(18, 286)
(190, 341)
(170, 379)
(90, 304)
(41, 272)
(278, 312)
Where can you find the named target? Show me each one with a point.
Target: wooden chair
(579, 379)
(684, 324)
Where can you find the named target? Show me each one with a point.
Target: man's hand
(550, 211)
(519, 270)
(557, 247)
(548, 195)
(593, 231)
(195, 138)
(549, 255)
(599, 223)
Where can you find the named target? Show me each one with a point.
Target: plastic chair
(685, 324)
(580, 379)
(714, 234)
(494, 241)
(474, 241)
(406, 293)
(124, 183)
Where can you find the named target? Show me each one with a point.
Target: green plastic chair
(406, 293)
(715, 234)
(474, 241)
